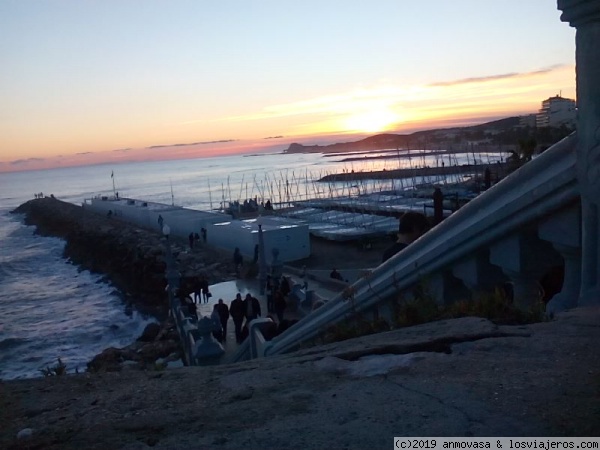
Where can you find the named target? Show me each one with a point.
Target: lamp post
(172, 273)
(262, 260)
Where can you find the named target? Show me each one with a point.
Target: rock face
(460, 377)
(131, 257)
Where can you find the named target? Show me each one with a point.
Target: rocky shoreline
(133, 260)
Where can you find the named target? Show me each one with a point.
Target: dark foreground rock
(462, 377)
(131, 257)
(157, 342)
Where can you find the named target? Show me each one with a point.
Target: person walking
(223, 311)
(198, 291)
(411, 227)
(238, 261)
(251, 308)
(216, 319)
(236, 310)
(203, 285)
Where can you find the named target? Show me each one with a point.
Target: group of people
(201, 290)
(242, 312)
(248, 205)
(194, 238)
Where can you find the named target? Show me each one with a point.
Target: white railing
(541, 188)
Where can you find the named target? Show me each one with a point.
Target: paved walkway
(229, 289)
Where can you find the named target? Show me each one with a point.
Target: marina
(167, 188)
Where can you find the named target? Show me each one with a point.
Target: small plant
(358, 327)
(497, 307)
(421, 308)
(59, 369)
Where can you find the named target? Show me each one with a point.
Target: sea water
(50, 308)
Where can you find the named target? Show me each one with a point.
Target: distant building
(527, 121)
(556, 111)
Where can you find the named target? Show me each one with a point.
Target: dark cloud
(17, 162)
(501, 76)
(193, 143)
(274, 137)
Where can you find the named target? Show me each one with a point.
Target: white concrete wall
(181, 221)
(291, 238)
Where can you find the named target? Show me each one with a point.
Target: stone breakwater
(133, 259)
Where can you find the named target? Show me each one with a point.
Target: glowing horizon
(204, 87)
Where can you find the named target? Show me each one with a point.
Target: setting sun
(372, 121)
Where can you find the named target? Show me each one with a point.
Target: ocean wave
(12, 343)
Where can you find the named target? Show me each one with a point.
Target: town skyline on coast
(110, 82)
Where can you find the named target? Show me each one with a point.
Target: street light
(262, 260)
(172, 272)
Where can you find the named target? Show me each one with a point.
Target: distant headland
(508, 131)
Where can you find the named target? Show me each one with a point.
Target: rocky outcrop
(132, 258)
(460, 377)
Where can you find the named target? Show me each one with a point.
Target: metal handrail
(534, 191)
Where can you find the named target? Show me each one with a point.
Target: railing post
(584, 15)
(524, 258)
(563, 230)
(478, 274)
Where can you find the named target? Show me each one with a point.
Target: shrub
(59, 369)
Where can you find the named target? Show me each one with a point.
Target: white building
(290, 237)
(556, 111)
(528, 121)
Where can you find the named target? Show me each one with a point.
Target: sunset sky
(83, 82)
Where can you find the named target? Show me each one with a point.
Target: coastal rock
(529, 380)
(25, 433)
(150, 332)
(108, 361)
(150, 353)
(131, 257)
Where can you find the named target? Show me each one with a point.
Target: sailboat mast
(172, 196)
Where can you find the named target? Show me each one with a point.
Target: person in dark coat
(438, 205)
(336, 275)
(223, 311)
(236, 310)
(284, 286)
(202, 286)
(216, 318)
(197, 291)
(238, 261)
(411, 227)
(251, 308)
